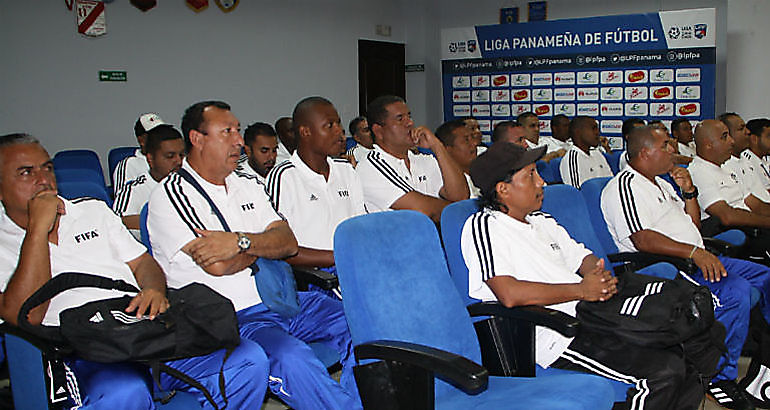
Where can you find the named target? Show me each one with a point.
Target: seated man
(331, 184)
(531, 125)
(460, 144)
(510, 131)
(165, 150)
(287, 141)
(393, 177)
(644, 213)
(583, 161)
(359, 130)
(192, 245)
(476, 135)
(131, 167)
(42, 237)
(628, 125)
(520, 256)
(739, 166)
(759, 148)
(260, 143)
(681, 129)
(560, 132)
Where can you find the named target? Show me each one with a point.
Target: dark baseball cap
(501, 158)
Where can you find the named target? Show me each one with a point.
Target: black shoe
(728, 395)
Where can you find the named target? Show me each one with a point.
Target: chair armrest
(455, 369)
(642, 259)
(322, 279)
(718, 246)
(539, 315)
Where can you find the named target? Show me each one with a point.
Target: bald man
(738, 165)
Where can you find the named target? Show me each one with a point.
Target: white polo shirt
(130, 200)
(175, 208)
(623, 160)
(245, 168)
(686, 150)
(747, 177)
(129, 168)
(283, 153)
(758, 166)
(474, 191)
(716, 184)
(92, 239)
(312, 205)
(359, 152)
(632, 203)
(577, 167)
(552, 143)
(494, 244)
(386, 178)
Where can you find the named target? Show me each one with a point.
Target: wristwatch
(690, 195)
(244, 243)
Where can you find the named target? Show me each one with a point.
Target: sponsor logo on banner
(662, 92)
(461, 96)
(517, 109)
(501, 95)
(542, 94)
(566, 78)
(501, 110)
(588, 94)
(564, 94)
(612, 77)
(461, 110)
(611, 126)
(612, 93)
(545, 126)
(461, 81)
(520, 95)
(688, 92)
(588, 77)
(481, 96)
(542, 79)
(688, 28)
(688, 109)
(688, 75)
(543, 110)
(471, 46)
(636, 76)
(591, 110)
(481, 110)
(485, 126)
(480, 80)
(500, 80)
(636, 93)
(635, 109)
(566, 109)
(520, 80)
(700, 30)
(662, 75)
(661, 109)
(612, 110)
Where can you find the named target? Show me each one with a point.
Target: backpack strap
(157, 367)
(189, 178)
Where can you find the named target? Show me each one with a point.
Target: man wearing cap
(165, 151)
(131, 167)
(260, 143)
(359, 130)
(394, 177)
(520, 256)
(583, 161)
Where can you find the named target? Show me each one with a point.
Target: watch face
(244, 242)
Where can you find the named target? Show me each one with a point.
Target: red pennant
(197, 5)
(69, 4)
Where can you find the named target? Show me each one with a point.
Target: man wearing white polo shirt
(360, 132)
(260, 143)
(583, 161)
(193, 245)
(759, 148)
(313, 190)
(131, 167)
(681, 129)
(395, 178)
(737, 164)
(458, 139)
(165, 150)
(43, 235)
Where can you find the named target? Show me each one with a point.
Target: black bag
(198, 321)
(650, 311)
(757, 380)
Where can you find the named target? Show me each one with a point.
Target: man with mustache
(261, 145)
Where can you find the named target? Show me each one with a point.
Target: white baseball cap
(147, 122)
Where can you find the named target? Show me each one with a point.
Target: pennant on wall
(227, 5)
(144, 5)
(90, 18)
(197, 5)
(69, 4)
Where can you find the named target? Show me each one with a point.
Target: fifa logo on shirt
(86, 236)
(343, 194)
(247, 207)
(555, 246)
(422, 178)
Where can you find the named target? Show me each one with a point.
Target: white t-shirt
(716, 184)
(129, 168)
(312, 205)
(748, 177)
(245, 168)
(130, 200)
(757, 165)
(386, 178)
(359, 152)
(632, 203)
(176, 207)
(577, 167)
(494, 244)
(92, 239)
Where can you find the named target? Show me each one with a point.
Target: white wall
(748, 76)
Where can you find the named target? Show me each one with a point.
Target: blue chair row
(549, 171)
(80, 160)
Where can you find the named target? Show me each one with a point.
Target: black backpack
(198, 321)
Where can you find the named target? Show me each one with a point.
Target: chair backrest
(26, 371)
(452, 220)
(144, 234)
(77, 189)
(544, 170)
(553, 165)
(613, 158)
(78, 174)
(592, 195)
(115, 156)
(349, 143)
(395, 285)
(78, 158)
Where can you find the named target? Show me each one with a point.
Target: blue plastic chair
(553, 165)
(77, 189)
(78, 158)
(613, 158)
(545, 171)
(143, 234)
(115, 156)
(402, 305)
(78, 174)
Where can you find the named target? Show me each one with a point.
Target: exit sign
(112, 75)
